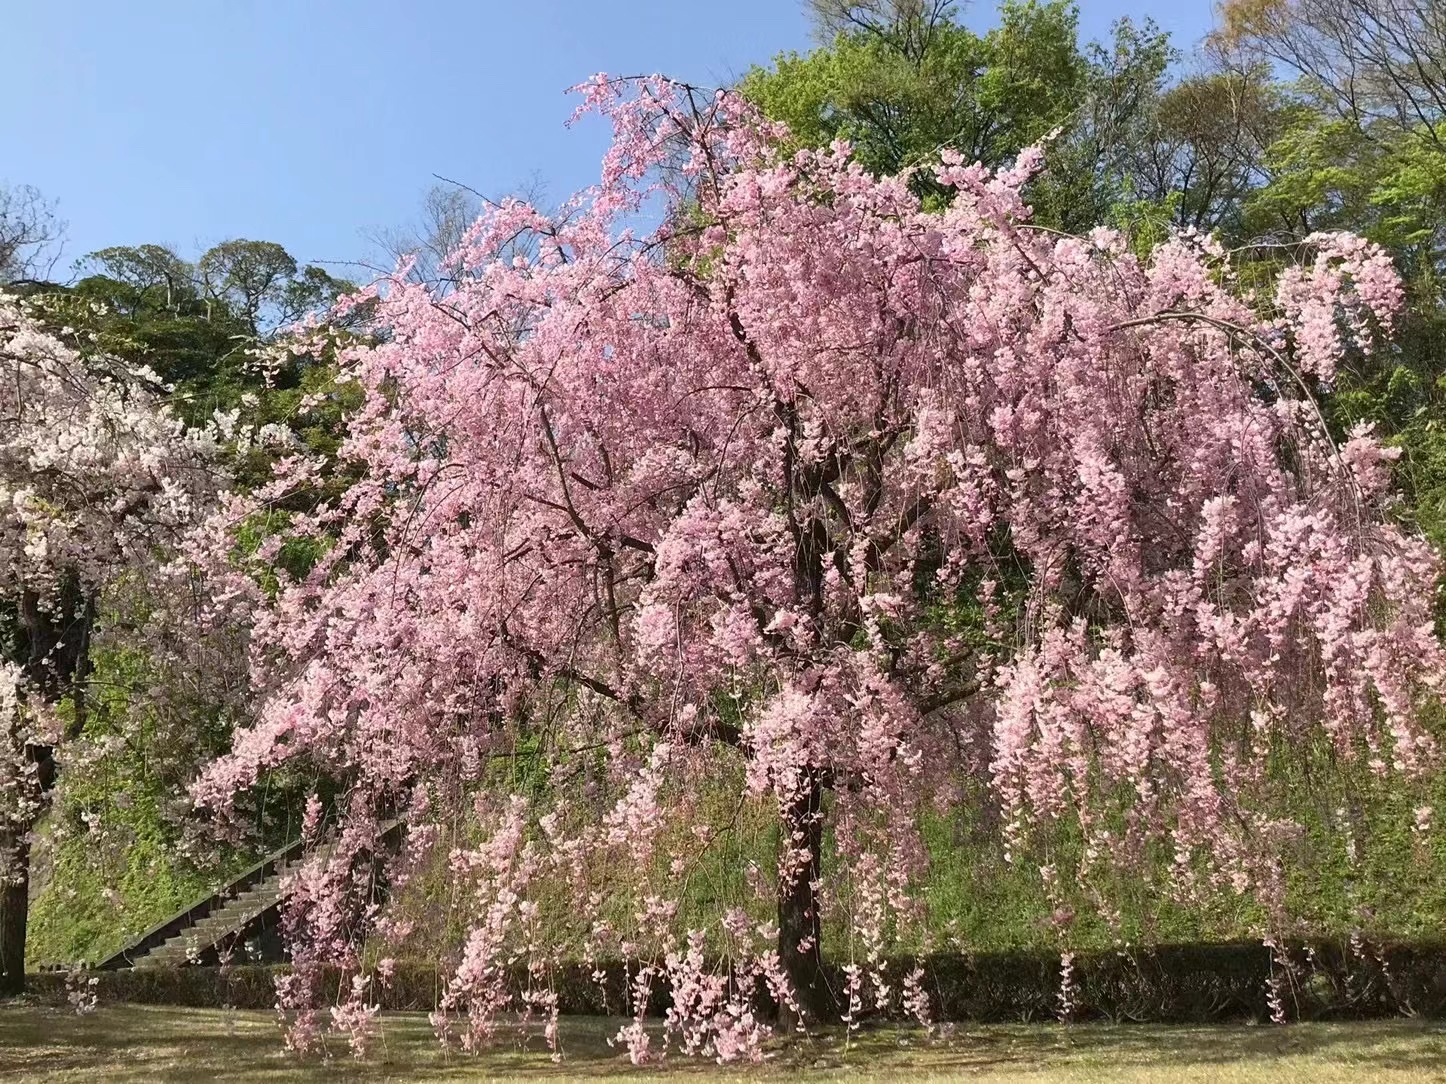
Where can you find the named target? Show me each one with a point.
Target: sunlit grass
(144, 1043)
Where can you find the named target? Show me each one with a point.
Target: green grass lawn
(144, 1043)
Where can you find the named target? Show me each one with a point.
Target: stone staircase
(227, 925)
(239, 923)
(214, 926)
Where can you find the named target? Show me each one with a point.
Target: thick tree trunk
(800, 947)
(14, 913)
(55, 657)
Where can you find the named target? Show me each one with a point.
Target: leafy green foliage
(115, 844)
(197, 326)
(900, 91)
(1333, 173)
(985, 95)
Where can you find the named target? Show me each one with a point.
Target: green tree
(1202, 149)
(1088, 179)
(901, 79)
(1366, 151)
(198, 326)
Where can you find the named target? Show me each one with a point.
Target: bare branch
(30, 234)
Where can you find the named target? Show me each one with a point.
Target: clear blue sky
(308, 122)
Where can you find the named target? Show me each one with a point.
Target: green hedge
(1195, 983)
(1172, 983)
(415, 987)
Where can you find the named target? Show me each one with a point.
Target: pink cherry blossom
(655, 516)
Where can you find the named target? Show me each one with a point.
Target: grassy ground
(141, 1043)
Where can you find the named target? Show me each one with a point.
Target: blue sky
(310, 122)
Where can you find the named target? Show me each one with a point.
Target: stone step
(221, 923)
(229, 915)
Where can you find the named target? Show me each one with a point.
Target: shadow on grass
(1408, 1046)
(133, 1042)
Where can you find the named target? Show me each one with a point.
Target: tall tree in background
(262, 284)
(1370, 151)
(99, 482)
(1089, 180)
(903, 80)
(1201, 148)
(449, 210)
(909, 26)
(1379, 64)
(1367, 152)
(200, 326)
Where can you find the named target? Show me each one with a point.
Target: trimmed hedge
(415, 987)
(1165, 984)
(1194, 983)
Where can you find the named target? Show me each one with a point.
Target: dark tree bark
(55, 655)
(14, 914)
(798, 912)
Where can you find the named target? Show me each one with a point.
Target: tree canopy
(666, 528)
